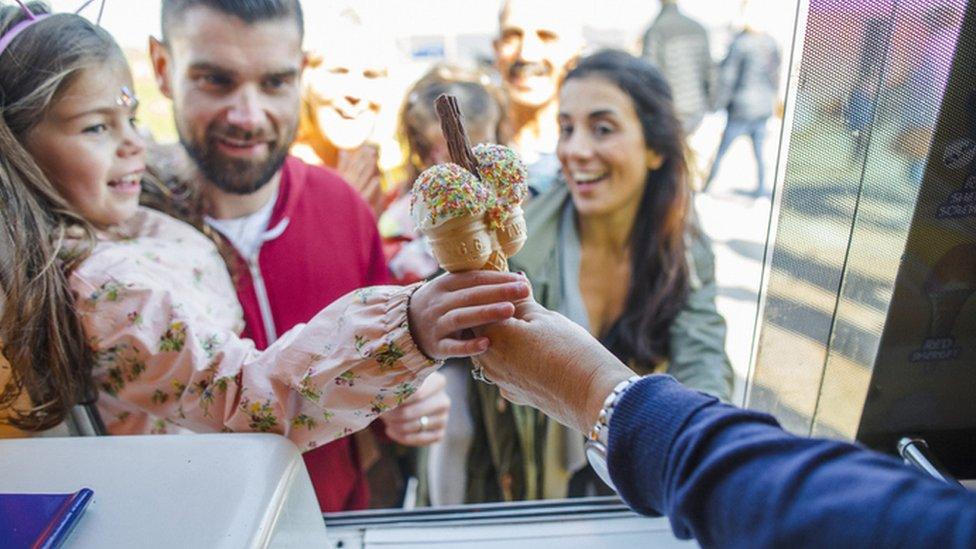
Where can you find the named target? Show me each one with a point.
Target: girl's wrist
(410, 324)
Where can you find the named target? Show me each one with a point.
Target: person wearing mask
(615, 248)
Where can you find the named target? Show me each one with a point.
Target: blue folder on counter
(41, 521)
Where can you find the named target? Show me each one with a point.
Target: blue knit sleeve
(733, 477)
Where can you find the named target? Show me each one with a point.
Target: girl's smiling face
(88, 146)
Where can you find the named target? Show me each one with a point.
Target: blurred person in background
(859, 112)
(615, 248)
(537, 43)
(926, 83)
(440, 469)
(342, 97)
(296, 236)
(678, 46)
(748, 91)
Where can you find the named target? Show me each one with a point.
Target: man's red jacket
(321, 244)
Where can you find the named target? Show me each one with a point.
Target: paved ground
(738, 224)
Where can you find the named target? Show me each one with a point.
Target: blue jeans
(756, 130)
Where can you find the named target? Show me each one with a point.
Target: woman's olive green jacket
(518, 453)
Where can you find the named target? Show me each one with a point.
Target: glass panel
(910, 94)
(842, 43)
(924, 378)
(731, 214)
(869, 88)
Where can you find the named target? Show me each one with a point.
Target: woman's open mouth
(589, 180)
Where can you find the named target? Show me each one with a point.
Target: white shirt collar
(249, 232)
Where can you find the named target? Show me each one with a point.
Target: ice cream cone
(512, 233)
(461, 244)
(497, 261)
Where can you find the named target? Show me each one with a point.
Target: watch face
(596, 454)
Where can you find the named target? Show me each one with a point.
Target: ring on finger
(478, 373)
(424, 423)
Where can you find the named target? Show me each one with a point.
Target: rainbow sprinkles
(448, 191)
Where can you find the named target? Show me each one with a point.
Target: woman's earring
(653, 160)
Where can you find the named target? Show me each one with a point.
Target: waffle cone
(461, 244)
(496, 262)
(513, 233)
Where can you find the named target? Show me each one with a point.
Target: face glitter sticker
(126, 98)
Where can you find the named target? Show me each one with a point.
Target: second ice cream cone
(512, 232)
(497, 261)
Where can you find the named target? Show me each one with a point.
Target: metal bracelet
(603, 420)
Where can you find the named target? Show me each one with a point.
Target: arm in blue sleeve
(733, 477)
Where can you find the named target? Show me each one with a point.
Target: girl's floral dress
(160, 311)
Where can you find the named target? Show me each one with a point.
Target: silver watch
(598, 439)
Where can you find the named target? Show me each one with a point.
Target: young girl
(102, 297)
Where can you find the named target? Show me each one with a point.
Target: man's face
(235, 89)
(344, 87)
(532, 51)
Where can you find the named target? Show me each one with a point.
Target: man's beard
(234, 175)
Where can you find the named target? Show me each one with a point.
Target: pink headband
(9, 36)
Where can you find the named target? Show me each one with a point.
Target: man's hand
(407, 425)
(542, 359)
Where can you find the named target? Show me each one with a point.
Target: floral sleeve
(318, 382)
